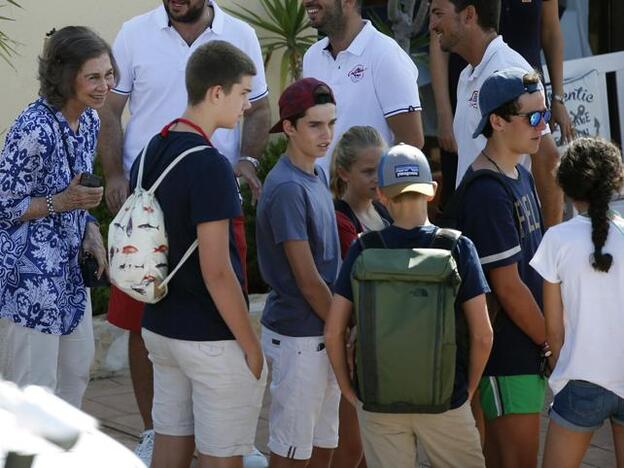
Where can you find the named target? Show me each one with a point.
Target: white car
(39, 430)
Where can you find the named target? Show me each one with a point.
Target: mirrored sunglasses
(535, 117)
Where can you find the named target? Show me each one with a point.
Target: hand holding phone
(90, 180)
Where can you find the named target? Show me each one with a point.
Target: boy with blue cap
(449, 438)
(500, 213)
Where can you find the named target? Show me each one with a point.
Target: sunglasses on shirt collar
(536, 117)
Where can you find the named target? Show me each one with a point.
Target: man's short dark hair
(64, 54)
(216, 63)
(511, 107)
(488, 11)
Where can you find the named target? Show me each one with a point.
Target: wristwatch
(254, 162)
(558, 98)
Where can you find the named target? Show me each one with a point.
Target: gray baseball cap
(404, 168)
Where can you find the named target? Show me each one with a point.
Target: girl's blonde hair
(349, 146)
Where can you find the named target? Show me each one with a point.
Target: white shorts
(304, 395)
(204, 388)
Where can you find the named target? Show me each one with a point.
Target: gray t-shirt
(294, 205)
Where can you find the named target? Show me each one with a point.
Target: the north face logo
(474, 99)
(357, 73)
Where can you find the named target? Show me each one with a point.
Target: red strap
(165, 131)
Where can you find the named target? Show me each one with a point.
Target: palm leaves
(7, 45)
(285, 23)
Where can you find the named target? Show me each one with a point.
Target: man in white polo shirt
(373, 79)
(152, 51)
(471, 33)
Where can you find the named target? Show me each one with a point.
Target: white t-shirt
(498, 56)
(593, 303)
(152, 57)
(372, 79)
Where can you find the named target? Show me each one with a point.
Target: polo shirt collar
(359, 42)
(217, 22)
(491, 49)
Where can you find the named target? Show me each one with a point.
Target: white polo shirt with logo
(372, 79)
(152, 57)
(498, 56)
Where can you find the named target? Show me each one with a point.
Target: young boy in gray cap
(450, 439)
(500, 213)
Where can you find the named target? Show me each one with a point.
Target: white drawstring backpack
(137, 241)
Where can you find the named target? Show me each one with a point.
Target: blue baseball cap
(500, 88)
(404, 168)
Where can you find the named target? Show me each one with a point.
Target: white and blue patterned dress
(40, 282)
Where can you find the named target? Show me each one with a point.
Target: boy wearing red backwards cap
(298, 254)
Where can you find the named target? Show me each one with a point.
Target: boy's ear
(214, 93)
(497, 122)
(289, 128)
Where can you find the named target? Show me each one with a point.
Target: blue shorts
(583, 406)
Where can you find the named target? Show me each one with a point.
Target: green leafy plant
(7, 45)
(285, 22)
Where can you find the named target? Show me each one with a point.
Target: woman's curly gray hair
(64, 53)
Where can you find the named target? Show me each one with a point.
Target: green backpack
(404, 302)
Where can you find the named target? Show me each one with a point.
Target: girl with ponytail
(582, 263)
(353, 181)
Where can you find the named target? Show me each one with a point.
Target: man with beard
(469, 28)
(373, 79)
(152, 51)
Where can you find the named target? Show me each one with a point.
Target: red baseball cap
(298, 98)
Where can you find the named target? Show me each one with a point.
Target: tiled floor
(112, 402)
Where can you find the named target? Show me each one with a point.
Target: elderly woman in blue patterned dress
(44, 221)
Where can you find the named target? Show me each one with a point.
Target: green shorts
(512, 394)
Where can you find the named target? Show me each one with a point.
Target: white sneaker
(255, 459)
(145, 447)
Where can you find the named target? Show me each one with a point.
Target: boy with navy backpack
(406, 284)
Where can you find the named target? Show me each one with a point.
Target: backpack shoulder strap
(173, 163)
(184, 258)
(450, 215)
(343, 207)
(372, 240)
(445, 239)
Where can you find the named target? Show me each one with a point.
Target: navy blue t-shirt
(201, 188)
(506, 231)
(472, 284)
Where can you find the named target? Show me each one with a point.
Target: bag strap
(445, 239)
(184, 258)
(168, 169)
(372, 240)
(449, 217)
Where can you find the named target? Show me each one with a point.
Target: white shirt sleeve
(122, 56)
(396, 85)
(259, 87)
(545, 260)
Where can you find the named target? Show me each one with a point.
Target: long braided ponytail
(591, 171)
